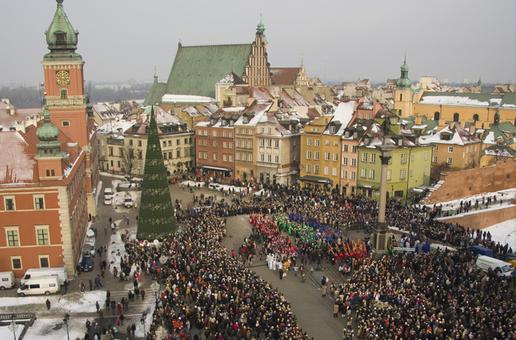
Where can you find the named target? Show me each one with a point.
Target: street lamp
(13, 326)
(381, 229)
(65, 320)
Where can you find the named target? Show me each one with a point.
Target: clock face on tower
(63, 78)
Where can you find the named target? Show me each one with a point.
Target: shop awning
(207, 167)
(316, 179)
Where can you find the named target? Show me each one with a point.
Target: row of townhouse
(248, 144)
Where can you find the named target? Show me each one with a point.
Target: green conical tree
(156, 216)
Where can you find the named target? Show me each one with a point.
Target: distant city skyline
(337, 41)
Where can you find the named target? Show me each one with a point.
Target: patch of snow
(6, 332)
(69, 303)
(15, 164)
(343, 114)
(504, 232)
(452, 100)
(53, 328)
(506, 195)
(180, 98)
(70, 167)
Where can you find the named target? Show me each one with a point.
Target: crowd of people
(421, 296)
(206, 292)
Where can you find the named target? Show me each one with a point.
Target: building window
(475, 118)
(449, 161)
(335, 157)
(140, 143)
(64, 94)
(450, 149)
(164, 155)
(354, 148)
(276, 159)
(230, 158)
(214, 156)
(403, 157)
(269, 158)
(16, 262)
(364, 157)
(316, 155)
(309, 141)
(225, 158)
(436, 115)
(44, 261)
(327, 156)
(316, 169)
(326, 170)
(309, 155)
(9, 203)
(334, 171)
(401, 97)
(434, 159)
(110, 151)
(39, 202)
(345, 148)
(403, 173)
(316, 142)
(363, 173)
(308, 170)
(353, 175)
(50, 172)
(65, 123)
(130, 142)
(373, 158)
(276, 143)
(371, 174)
(456, 117)
(345, 161)
(12, 236)
(353, 162)
(262, 157)
(178, 153)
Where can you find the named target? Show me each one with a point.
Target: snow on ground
(192, 184)
(215, 186)
(99, 190)
(472, 212)
(505, 195)
(150, 311)
(54, 328)
(71, 303)
(6, 332)
(504, 232)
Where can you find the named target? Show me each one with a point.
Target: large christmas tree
(156, 217)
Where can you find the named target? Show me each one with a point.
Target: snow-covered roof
(16, 165)
(183, 98)
(452, 100)
(116, 126)
(459, 137)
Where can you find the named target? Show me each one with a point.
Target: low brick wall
(483, 219)
(465, 183)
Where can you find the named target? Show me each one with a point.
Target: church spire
(48, 135)
(260, 28)
(404, 80)
(61, 36)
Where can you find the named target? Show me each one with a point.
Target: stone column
(381, 228)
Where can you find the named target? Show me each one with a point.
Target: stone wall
(483, 219)
(465, 183)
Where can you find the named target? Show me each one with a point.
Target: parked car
(88, 249)
(128, 202)
(86, 263)
(108, 200)
(6, 280)
(58, 272)
(90, 233)
(125, 186)
(38, 286)
(108, 192)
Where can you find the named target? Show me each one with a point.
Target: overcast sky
(338, 40)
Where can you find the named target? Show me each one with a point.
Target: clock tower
(64, 79)
(65, 97)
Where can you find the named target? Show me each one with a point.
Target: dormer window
(60, 38)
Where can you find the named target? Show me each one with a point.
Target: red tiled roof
(284, 75)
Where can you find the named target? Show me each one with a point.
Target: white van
(108, 192)
(42, 285)
(6, 280)
(486, 262)
(58, 272)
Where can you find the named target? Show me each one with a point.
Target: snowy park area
(504, 232)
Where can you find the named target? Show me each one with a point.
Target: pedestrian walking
(48, 304)
(142, 293)
(97, 305)
(91, 284)
(65, 285)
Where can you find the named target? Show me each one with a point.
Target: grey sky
(338, 40)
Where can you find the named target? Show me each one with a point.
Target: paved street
(314, 313)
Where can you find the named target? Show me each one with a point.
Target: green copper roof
(60, 34)
(404, 80)
(197, 69)
(156, 91)
(48, 131)
(260, 28)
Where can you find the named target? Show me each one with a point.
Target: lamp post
(381, 228)
(13, 326)
(65, 320)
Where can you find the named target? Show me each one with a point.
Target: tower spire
(260, 29)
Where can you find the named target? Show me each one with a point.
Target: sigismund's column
(381, 227)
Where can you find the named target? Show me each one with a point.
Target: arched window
(437, 115)
(497, 118)
(64, 94)
(401, 97)
(455, 117)
(475, 118)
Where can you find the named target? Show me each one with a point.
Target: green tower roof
(260, 28)
(404, 80)
(60, 34)
(48, 132)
